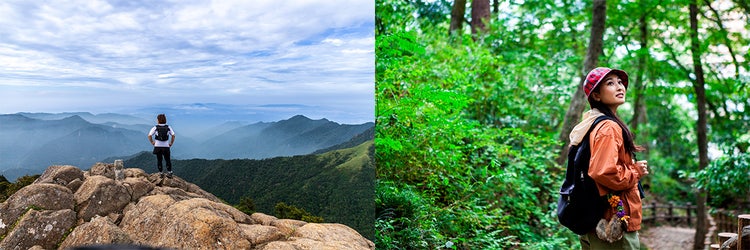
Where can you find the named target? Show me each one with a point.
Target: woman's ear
(596, 97)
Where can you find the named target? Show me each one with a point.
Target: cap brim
(623, 76)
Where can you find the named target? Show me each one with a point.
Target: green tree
(246, 205)
(284, 211)
(7, 188)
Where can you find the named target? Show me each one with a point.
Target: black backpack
(580, 207)
(162, 132)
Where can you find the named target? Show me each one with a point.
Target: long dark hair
(627, 136)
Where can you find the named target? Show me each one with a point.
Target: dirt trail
(667, 237)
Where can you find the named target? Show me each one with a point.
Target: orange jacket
(613, 170)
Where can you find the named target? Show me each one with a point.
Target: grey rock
(42, 228)
(100, 195)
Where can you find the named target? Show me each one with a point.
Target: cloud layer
(98, 56)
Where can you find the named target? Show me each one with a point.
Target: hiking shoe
(161, 174)
(169, 174)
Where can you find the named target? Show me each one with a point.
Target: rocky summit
(67, 208)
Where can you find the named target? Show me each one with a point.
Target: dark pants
(163, 153)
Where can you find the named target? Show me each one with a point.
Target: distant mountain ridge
(32, 144)
(28, 145)
(295, 136)
(92, 118)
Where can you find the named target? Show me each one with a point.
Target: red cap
(596, 75)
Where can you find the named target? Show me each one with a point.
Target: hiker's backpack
(580, 207)
(162, 132)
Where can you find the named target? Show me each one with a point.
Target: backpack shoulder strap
(593, 125)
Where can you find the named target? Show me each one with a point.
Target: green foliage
(473, 170)
(393, 14)
(722, 178)
(246, 205)
(9, 188)
(284, 211)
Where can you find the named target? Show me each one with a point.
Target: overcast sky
(116, 56)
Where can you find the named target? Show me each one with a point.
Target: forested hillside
(337, 185)
(475, 100)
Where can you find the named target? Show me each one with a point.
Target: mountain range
(31, 142)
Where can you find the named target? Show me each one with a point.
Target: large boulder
(138, 187)
(260, 234)
(61, 175)
(100, 195)
(188, 224)
(99, 230)
(38, 196)
(43, 228)
(287, 226)
(148, 214)
(103, 169)
(263, 219)
(134, 173)
(334, 234)
(179, 189)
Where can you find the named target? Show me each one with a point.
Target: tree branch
(727, 42)
(673, 56)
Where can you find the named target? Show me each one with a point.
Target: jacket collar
(579, 131)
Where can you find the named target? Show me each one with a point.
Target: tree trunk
(480, 15)
(700, 93)
(457, 17)
(496, 6)
(578, 101)
(638, 86)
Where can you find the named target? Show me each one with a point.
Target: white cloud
(211, 49)
(334, 42)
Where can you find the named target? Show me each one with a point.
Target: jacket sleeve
(610, 166)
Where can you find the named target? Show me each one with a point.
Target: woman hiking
(164, 136)
(612, 164)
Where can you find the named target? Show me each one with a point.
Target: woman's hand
(643, 165)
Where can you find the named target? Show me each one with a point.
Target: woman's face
(611, 91)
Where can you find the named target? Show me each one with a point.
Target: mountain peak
(112, 205)
(300, 117)
(74, 118)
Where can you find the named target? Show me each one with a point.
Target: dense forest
(475, 100)
(334, 187)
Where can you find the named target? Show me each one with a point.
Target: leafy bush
(284, 211)
(465, 180)
(9, 188)
(246, 205)
(722, 178)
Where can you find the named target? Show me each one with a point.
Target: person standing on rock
(162, 137)
(612, 164)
